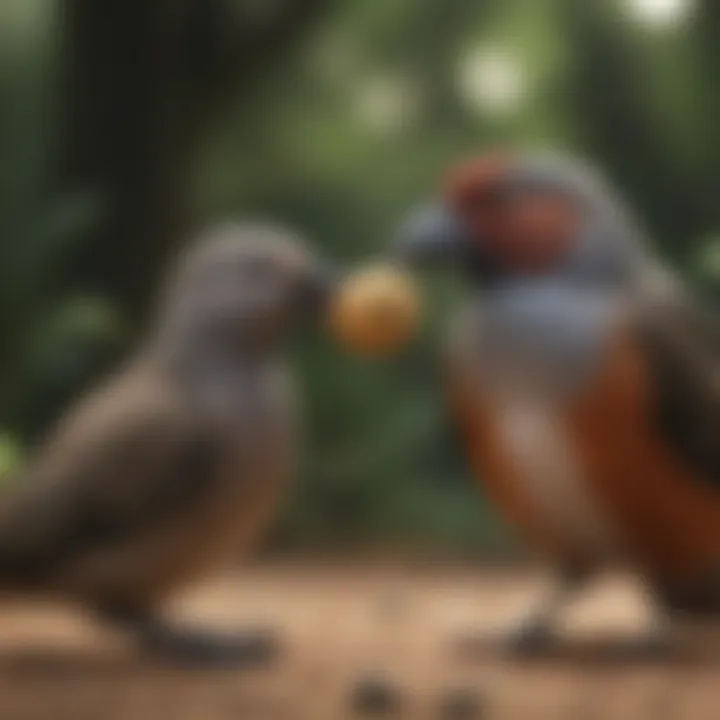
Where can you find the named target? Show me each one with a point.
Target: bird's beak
(432, 235)
(319, 288)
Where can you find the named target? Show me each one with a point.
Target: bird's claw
(204, 649)
(524, 640)
(527, 639)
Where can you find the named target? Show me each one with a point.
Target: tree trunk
(146, 81)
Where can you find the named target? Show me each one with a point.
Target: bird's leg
(535, 630)
(192, 646)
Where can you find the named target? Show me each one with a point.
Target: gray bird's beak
(319, 288)
(432, 235)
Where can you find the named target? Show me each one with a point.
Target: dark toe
(252, 649)
(375, 696)
(460, 704)
(524, 641)
(528, 640)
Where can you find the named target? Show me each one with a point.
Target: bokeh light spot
(660, 13)
(492, 81)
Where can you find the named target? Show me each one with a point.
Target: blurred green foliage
(339, 141)
(10, 456)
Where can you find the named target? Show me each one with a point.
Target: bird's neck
(194, 357)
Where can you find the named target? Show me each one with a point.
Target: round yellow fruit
(376, 310)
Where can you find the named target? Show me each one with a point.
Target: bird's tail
(19, 556)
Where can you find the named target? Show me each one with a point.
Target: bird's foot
(526, 639)
(207, 649)
(194, 647)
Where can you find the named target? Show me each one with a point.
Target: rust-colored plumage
(583, 378)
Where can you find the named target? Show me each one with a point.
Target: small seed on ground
(375, 696)
(461, 704)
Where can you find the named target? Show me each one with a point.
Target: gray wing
(681, 344)
(109, 475)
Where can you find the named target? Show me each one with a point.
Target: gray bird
(176, 465)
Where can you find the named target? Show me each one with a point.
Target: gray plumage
(177, 464)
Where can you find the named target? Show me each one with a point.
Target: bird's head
(503, 216)
(245, 287)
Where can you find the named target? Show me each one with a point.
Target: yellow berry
(376, 310)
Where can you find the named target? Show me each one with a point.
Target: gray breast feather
(534, 337)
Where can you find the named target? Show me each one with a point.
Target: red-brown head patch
(524, 229)
(476, 179)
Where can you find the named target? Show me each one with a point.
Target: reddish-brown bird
(585, 379)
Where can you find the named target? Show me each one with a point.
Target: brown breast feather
(667, 515)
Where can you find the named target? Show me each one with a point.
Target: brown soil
(340, 625)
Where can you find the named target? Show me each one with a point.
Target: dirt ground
(339, 625)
